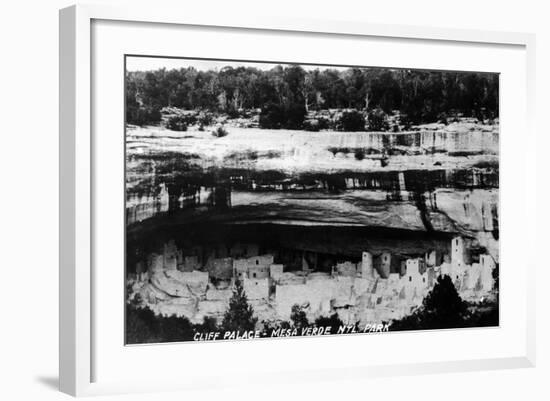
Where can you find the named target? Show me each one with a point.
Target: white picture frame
(78, 224)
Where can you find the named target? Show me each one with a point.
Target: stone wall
(348, 269)
(220, 268)
(189, 263)
(276, 271)
(256, 288)
(258, 272)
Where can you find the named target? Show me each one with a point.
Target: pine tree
(443, 305)
(240, 315)
(298, 317)
(441, 309)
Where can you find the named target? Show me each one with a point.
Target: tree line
(420, 96)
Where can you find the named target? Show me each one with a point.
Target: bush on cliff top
(275, 116)
(177, 123)
(378, 120)
(351, 121)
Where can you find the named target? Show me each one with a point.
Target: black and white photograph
(274, 199)
(295, 199)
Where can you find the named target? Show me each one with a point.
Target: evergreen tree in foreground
(441, 309)
(240, 315)
(298, 317)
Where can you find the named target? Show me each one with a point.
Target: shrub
(177, 123)
(143, 326)
(359, 154)
(443, 118)
(408, 122)
(352, 121)
(242, 155)
(272, 154)
(220, 132)
(372, 151)
(334, 150)
(311, 125)
(324, 123)
(208, 324)
(142, 115)
(333, 321)
(378, 120)
(295, 115)
(188, 118)
(274, 116)
(316, 124)
(205, 119)
(233, 112)
(298, 317)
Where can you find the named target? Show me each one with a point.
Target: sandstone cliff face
(474, 210)
(466, 212)
(335, 193)
(473, 213)
(306, 151)
(171, 171)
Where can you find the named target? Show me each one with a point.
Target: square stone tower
(367, 268)
(458, 252)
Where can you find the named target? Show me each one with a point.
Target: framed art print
(327, 191)
(268, 200)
